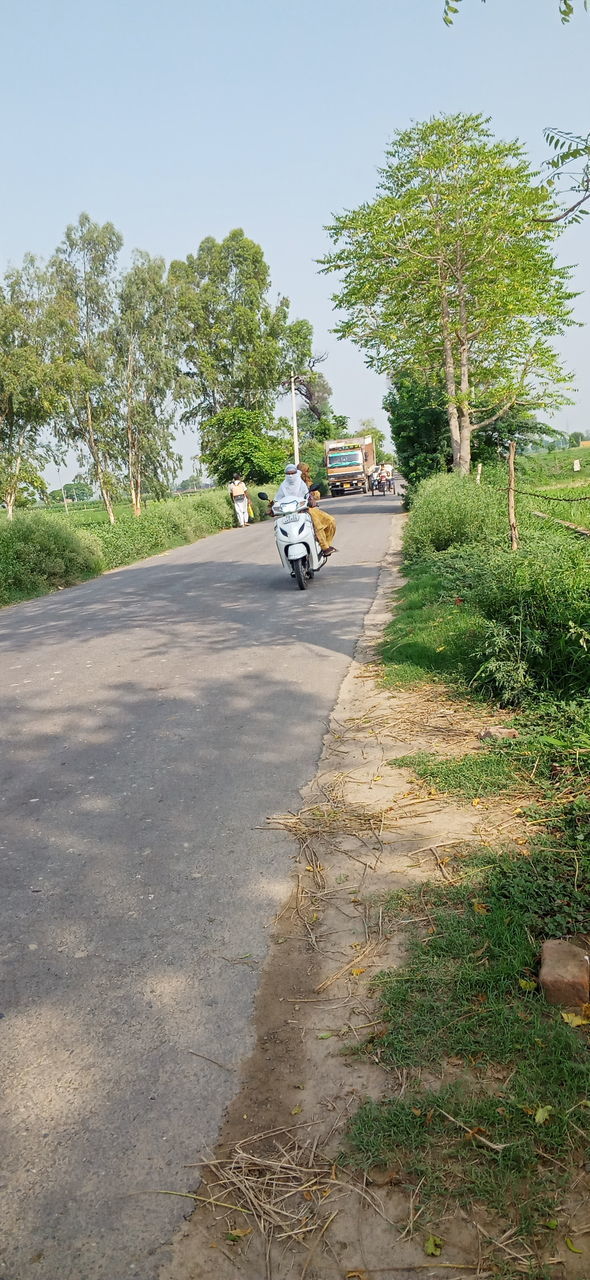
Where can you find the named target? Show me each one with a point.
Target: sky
(186, 118)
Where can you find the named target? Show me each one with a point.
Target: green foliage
(147, 349)
(239, 347)
(459, 225)
(575, 439)
(451, 511)
(530, 608)
(29, 384)
(419, 430)
(39, 553)
(242, 441)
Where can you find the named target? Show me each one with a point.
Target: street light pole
(294, 418)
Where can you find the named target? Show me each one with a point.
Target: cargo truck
(349, 463)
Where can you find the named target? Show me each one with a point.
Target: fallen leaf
(433, 1246)
(527, 984)
(356, 1275)
(416, 1111)
(378, 777)
(571, 1246)
(357, 972)
(296, 1111)
(542, 1114)
(551, 1224)
(480, 907)
(575, 1020)
(238, 1234)
(324, 1035)
(307, 1195)
(475, 803)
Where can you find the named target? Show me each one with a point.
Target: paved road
(150, 721)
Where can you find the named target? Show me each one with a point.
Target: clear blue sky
(178, 119)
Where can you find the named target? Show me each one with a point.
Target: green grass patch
(487, 772)
(468, 994)
(430, 637)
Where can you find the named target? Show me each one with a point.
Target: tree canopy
(565, 8)
(448, 275)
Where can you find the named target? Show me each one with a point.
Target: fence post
(511, 504)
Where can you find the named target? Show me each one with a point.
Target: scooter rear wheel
(300, 567)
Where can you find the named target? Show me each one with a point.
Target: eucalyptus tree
(84, 281)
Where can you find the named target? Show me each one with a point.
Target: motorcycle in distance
(298, 548)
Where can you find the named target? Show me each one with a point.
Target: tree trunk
(465, 427)
(133, 453)
(452, 414)
(12, 490)
(104, 493)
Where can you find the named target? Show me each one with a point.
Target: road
(151, 720)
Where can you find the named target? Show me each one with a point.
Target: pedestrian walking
(241, 500)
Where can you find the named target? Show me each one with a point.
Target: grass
(484, 773)
(429, 637)
(467, 1000)
(513, 1077)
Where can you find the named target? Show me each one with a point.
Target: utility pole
(294, 417)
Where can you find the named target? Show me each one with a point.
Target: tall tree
(29, 383)
(146, 341)
(240, 345)
(84, 282)
(449, 273)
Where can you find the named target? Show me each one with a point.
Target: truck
(349, 463)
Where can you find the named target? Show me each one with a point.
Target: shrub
(450, 511)
(39, 553)
(535, 603)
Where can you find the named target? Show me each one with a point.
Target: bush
(39, 553)
(534, 603)
(450, 511)
(162, 525)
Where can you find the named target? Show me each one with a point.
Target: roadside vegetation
(40, 553)
(506, 1124)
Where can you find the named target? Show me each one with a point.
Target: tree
(419, 430)
(29, 384)
(575, 439)
(239, 346)
(565, 8)
(83, 276)
(146, 340)
(449, 274)
(243, 442)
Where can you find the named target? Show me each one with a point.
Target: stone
(496, 732)
(565, 973)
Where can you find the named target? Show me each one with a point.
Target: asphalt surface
(151, 720)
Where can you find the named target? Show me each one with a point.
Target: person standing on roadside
(240, 498)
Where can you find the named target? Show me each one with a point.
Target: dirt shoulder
(279, 1204)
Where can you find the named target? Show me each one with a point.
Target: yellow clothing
(325, 527)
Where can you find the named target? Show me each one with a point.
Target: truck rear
(349, 463)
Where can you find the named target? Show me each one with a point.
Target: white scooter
(297, 545)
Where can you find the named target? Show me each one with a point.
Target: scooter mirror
(264, 497)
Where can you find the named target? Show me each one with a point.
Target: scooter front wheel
(300, 567)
